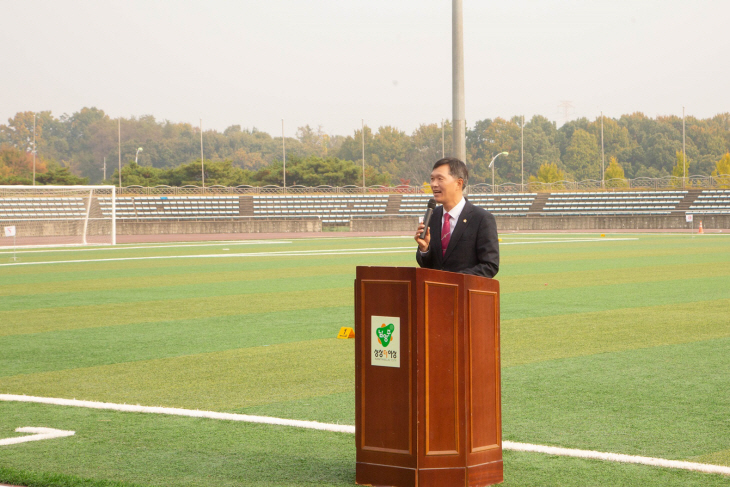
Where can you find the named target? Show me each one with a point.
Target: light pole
(119, 126)
(522, 154)
(491, 164)
(137, 155)
(202, 161)
(34, 149)
(603, 158)
(458, 119)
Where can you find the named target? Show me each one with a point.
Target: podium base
(389, 476)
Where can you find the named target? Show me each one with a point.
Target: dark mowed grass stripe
(193, 290)
(123, 450)
(554, 302)
(670, 401)
(70, 349)
(99, 282)
(170, 451)
(572, 335)
(219, 381)
(138, 268)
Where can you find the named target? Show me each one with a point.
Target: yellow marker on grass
(346, 332)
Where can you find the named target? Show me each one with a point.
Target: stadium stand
(332, 208)
(339, 209)
(614, 203)
(172, 207)
(47, 208)
(711, 201)
(497, 204)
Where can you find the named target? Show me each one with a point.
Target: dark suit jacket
(473, 247)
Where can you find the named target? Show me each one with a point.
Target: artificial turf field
(618, 344)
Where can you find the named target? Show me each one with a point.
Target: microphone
(427, 216)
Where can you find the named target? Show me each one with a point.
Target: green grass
(615, 346)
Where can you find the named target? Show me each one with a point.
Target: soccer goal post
(57, 215)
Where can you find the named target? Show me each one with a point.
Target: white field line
(341, 428)
(38, 434)
(160, 246)
(616, 457)
(296, 253)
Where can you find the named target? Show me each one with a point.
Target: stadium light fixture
(491, 164)
(137, 155)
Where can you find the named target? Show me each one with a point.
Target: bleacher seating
(497, 204)
(341, 208)
(711, 201)
(336, 208)
(172, 207)
(615, 203)
(42, 207)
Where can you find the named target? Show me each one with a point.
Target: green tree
(60, 176)
(614, 170)
(426, 149)
(548, 173)
(681, 169)
(722, 171)
(615, 177)
(581, 156)
(722, 167)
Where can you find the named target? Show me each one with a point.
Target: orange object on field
(346, 333)
(701, 230)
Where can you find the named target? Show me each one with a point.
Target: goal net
(57, 215)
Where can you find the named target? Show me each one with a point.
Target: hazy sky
(335, 62)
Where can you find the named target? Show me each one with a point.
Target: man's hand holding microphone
(423, 235)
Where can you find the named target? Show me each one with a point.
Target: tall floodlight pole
(603, 158)
(362, 134)
(457, 74)
(283, 150)
(104, 168)
(33, 149)
(491, 165)
(120, 151)
(684, 153)
(443, 138)
(202, 162)
(522, 153)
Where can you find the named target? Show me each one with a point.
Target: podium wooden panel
(435, 420)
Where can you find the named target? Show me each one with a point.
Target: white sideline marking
(296, 253)
(39, 434)
(616, 457)
(342, 428)
(81, 248)
(129, 408)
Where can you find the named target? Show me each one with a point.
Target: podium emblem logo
(385, 334)
(385, 341)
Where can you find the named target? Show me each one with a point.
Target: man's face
(446, 189)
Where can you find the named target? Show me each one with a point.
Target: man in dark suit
(461, 237)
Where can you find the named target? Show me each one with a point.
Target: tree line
(71, 149)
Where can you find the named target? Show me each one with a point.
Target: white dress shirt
(453, 215)
(453, 219)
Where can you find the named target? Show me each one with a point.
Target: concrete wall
(252, 225)
(670, 222)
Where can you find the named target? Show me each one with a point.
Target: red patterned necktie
(445, 234)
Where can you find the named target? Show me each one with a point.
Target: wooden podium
(428, 397)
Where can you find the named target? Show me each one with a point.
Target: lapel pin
(465, 220)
